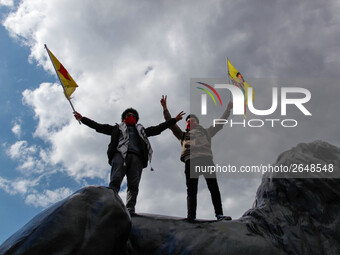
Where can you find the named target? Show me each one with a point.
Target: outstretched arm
(100, 128)
(156, 130)
(213, 130)
(176, 130)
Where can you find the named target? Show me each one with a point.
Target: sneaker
(191, 220)
(222, 217)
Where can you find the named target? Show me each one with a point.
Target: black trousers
(133, 170)
(192, 185)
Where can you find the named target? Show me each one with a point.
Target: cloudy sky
(129, 55)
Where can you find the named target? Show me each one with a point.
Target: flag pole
(231, 98)
(228, 71)
(67, 96)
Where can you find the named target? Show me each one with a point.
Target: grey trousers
(133, 170)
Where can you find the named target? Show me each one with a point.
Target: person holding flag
(129, 150)
(196, 151)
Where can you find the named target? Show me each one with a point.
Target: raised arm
(100, 128)
(156, 130)
(213, 130)
(176, 130)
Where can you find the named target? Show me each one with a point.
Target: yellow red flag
(65, 78)
(239, 82)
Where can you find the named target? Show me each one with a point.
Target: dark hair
(134, 111)
(192, 116)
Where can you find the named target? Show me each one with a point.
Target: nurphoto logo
(240, 105)
(243, 96)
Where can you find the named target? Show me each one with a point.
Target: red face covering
(130, 120)
(191, 125)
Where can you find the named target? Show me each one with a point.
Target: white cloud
(16, 129)
(21, 150)
(5, 185)
(18, 186)
(48, 103)
(28, 189)
(27, 156)
(107, 46)
(8, 3)
(47, 197)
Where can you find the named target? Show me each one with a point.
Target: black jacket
(115, 132)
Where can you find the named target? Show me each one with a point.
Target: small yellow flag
(239, 81)
(65, 78)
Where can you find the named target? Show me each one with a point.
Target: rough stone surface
(301, 215)
(153, 234)
(290, 216)
(91, 221)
